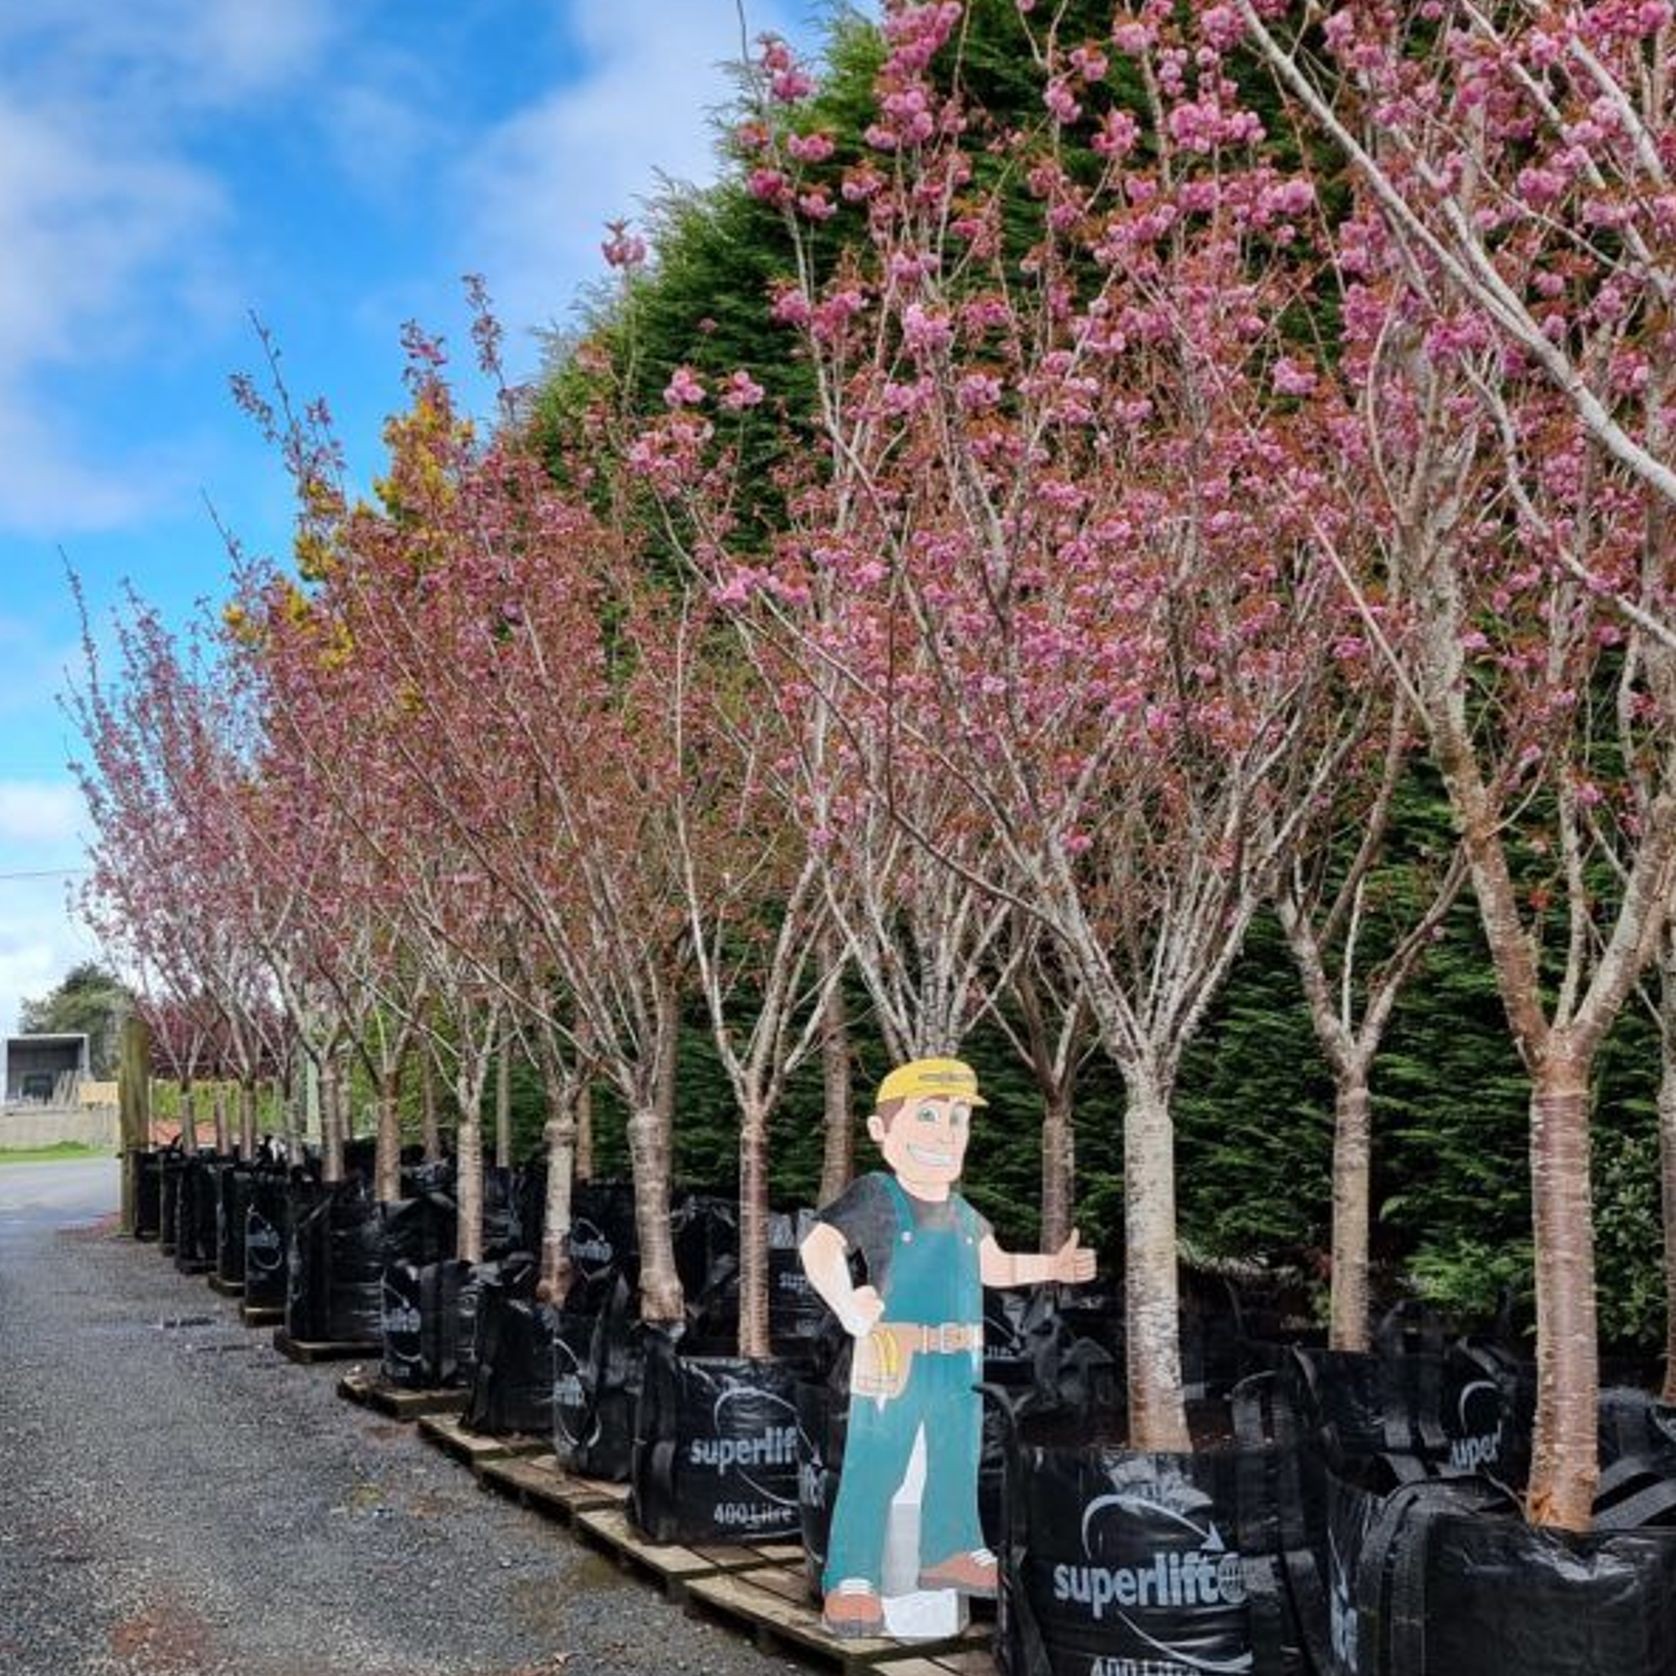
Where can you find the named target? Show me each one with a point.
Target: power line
(47, 873)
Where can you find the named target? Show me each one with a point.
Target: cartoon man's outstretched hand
(1071, 1263)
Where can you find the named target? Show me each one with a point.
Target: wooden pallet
(474, 1448)
(261, 1315)
(772, 1605)
(540, 1483)
(226, 1288)
(370, 1391)
(336, 1350)
(673, 1566)
(195, 1266)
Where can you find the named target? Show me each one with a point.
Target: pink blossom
(1117, 135)
(740, 391)
(791, 307)
(816, 205)
(810, 148)
(683, 388)
(978, 391)
(788, 86)
(1131, 39)
(1290, 379)
(1060, 101)
(767, 184)
(925, 330)
(622, 249)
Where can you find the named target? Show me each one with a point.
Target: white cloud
(537, 191)
(115, 239)
(39, 942)
(39, 814)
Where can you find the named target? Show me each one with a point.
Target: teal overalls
(933, 1279)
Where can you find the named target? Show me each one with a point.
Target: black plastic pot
(715, 1448)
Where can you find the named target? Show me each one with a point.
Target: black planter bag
(195, 1214)
(1489, 1411)
(234, 1183)
(1117, 1561)
(823, 1414)
(618, 1369)
(420, 1229)
(715, 1448)
(148, 1193)
(1442, 1575)
(1634, 1422)
(797, 1314)
(1386, 1401)
(603, 1243)
(335, 1270)
(571, 1404)
(267, 1222)
(428, 1324)
(171, 1167)
(512, 1381)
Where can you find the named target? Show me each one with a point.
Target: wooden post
(133, 1095)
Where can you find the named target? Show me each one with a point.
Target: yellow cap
(946, 1079)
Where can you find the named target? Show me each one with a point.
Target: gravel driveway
(176, 1498)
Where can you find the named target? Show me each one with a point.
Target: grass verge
(63, 1152)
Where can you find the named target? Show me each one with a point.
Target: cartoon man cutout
(918, 1327)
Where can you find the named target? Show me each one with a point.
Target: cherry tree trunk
(468, 1168)
(388, 1169)
(188, 1117)
(649, 1156)
(1157, 1412)
(1059, 1170)
(223, 1135)
(430, 1130)
(560, 1136)
(247, 1118)
(838, 1154)
(503, 1104)
(753, 1231)
(331, 1120)
(1667, 1169)
(1565, 1451)
(1352, 1167)
(585, 1134)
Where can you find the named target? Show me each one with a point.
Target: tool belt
(882, 1358)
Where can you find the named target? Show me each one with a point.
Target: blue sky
(168, 167)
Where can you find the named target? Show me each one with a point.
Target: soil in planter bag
(428, 1324)
(148, 1193)
(266, 1236)
(1443, 1575)
(335, 1270)
(715, 1448)
(512, 1381)
(1117, 1561)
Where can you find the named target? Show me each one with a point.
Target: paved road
(178, 1500)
